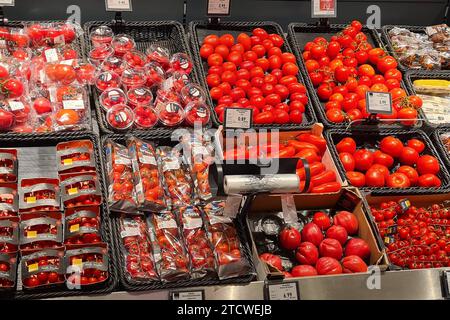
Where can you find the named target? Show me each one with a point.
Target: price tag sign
(446, 284)
(187, 295)
(379, 102)
(283, 291)
(219, 7)
(238, 118)
(323, 9)
(118, 5)
(7, 3)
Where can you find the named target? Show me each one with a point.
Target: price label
(219, 7)
(77, 262)
(74, 228)
(238, 118)
(73, 104)
(31, 234)
(15, 105)
(68, 162)
(283, 291)
(51, 55)
(118, 5)
(323, 8)
(33, 267)
(7, 3)
(187, 295)
(378, 102)
(31, 200)
(72, 191)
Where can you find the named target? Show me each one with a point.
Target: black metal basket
(369, 140)
(134, 285)
(412, 75)
(301, 33)
(28, 140)
(169, 34)
(198, 30)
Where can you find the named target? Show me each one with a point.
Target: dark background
(411, 12)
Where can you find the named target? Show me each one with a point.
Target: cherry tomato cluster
(253, 72)
(82, 226)
(40, 230)
(344, 68)
(80, 189)
(8, 165)
(323, 246)
(42, 268)
(9, 233)
(8, 265)
(75, 156)
(93, 263)
(391, 164)
(415, 237)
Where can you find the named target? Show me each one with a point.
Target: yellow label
(31, 234)
(72, 191)
(77, 262)
(74, 227)
(67, 162)
(33, 267)
(31, 200)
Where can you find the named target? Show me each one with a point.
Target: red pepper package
(75, 156)
(197, 244)
(176, 176)
(121, 192)
(225, 241)
(148, 184)
(8, 270)
(40, 230)
(87, 265)
(82, 226)
(9, 234)
(42, 267)
(137, 248)
(80, 189)
(170, 255)
(39, 194)
(8, 165)
(9, 200)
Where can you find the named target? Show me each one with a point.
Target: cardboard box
(349, 199)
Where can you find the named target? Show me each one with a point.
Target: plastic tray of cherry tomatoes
(168, 34)
(198, 30)
(33, 146)
(301, 33)
(370, 140)
(142, 285)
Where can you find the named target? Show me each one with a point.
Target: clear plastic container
(156, 53)
(111, 97)
(171, 113)
(120, 117)
(113, 63)
(155, 74)
(101, 35)
(106, 80)
(122, 43)
(133, 78)
(180, 62)
(135, 59)
(139, 96)
(192, 93)
(145, 117)
(197, 112)
(98, 54)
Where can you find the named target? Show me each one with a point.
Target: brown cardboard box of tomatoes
(288, 148)
(302, 235)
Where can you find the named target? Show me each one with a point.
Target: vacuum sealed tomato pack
(80, 189)
(9, 234)
(40, 230)
(9, 200)
(201, 158)
(75, 156)
(137, 249)
(8, 268)
(43, 34)
(39, 194)
(82, 226)
(8, 165)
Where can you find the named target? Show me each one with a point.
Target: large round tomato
(312, 233)
(363, 159)
(391, 146)
(410, 172)
(42, 105)
(347, 220)
(357, 247)
(331, 248)
(383, 159)
(386, 63)
(272, 259)
(339, 233)
(356, 179)
(322, 220)
(303, 271)
(429, 180)
(6, 120)
(65, 117)
(408, 113)
(307, 253)
(353, 264)
(290, 238)
(416, 144)
(12, 88)
(348, 162)
(327, 265)
(375, 178)
(346, 145)
(427, 164)
(409, 156)
(398, 180)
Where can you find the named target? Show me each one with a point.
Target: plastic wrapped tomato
(8, 165)
(145, 117)
(85, 73)
(9, 200)
(75, 156)
(133, 77)
(53, 33)
(122, 44)
(139, 96)
(42, 268)
(192, 93)
(80, 189)
(171, 113)
(101, 35)
(82, 226)
(161, 55)
(106, 80)
(135, 59)
(179, 80)
(197, 113)
(201, 158)
(40, 230)
(72, 109)
(98, 54)
(120, 117)
(180, 62)
(113, 64)
(60, 73)
(164, 96)
(9, 234)
(39, 194)
(87, 265)
(155, 74)
(8, 270)
(111, 97)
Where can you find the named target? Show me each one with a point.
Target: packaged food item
(145, 117)
(180, 62)
(121, 192)
(155, 74)
(139, 96)
(39, 194)
(137, 248)
(131, 77)
(135, 59)
(87, 265)
(147, 180)
(192, 93)
(9, 234)
(42, 267)
(9, 200)
(8, 270)
(8, 165)
(158, 54)
(80, 189)
(52, 33)
(111, 97)
(200, 160)
(40, 230)
(171, 113)
(170, 255)
(436, 109)
(15, 114)
(75, 156)
(101, 35)
(100, 53)
(120, 117)
(197, 113)
(122, 43)
(197, 244)
(106, 80)
(432, 86)
(82, 225)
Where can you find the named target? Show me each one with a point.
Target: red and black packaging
(82, 226)
(80, 189)
(9, 200)
(170, 255)
(87, 265)
(198, 247)
(75, 156)
(8, 270)
(8, 165)
(39, 194)
(137, 248)
(40, 230)
(121, 192)
(9, 234)
(42, 267)
(147, 180)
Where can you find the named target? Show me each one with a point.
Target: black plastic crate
(301, 33)
(135, 285)
(198, 30)
(370, 140)
(443, 151)
(169, 34)
(50, 140)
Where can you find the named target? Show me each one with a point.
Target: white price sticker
(190, 223)
(7, 3)
(238, 118)
(378, 102)
(163, 223)
(73, 104)
(2, 44)
(148, 159)
(283, 291)
(171, 164)
(323, 8)
(118, 5)
(67, 62)
(15, 105)
(219, 7)
(51, 55)
(187, 295)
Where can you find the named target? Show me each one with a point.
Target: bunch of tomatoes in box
(139, 90)
(347, 66)
(43, 79)
(415, 237)
(253, 72)
(326, 245)
(392, 163)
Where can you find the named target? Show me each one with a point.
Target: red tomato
(215, 59)
(427, 164)
(391, 146)
(346, 145)
(327, 188)
(393, 74)
(383, 169)
(335, 115)
(366, 70)
(235, 57)
(398, 180)
(429, 180)
(281, 116)
(276, 39)
(227, 39)
(386, 63)
(212, 40)
(296, 116)
(356, 179)
(416, 144)
(383, 159)
(375, 178)
(264, 118)
(347, 161)
(245, 40)
(409, 156)
(410, 172)
(290, 238)
(363, 159)
(408, 113)
(290, 68)
(222, 50)
(250, 56)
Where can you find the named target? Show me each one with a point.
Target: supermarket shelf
(406, 285)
